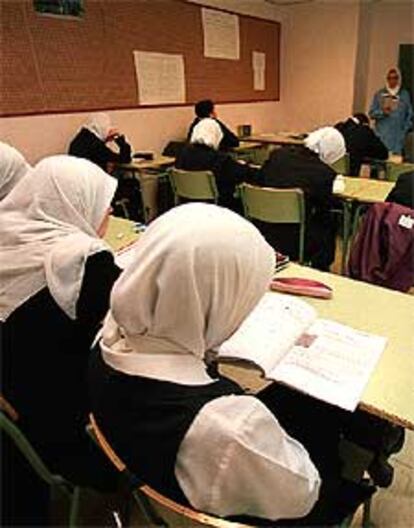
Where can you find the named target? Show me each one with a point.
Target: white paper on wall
(160, 77)
(259, 70)
(221, 34)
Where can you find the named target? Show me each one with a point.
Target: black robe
(403, 192)
(45, 357)
(297, 166)
(361, 143)
(88, 146)
(229, 141)
(228, 172)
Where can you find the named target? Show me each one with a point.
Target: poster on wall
(259, 70)
(221, 33)
(160, 78)
(59, 7)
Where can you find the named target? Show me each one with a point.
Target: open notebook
(322, 358)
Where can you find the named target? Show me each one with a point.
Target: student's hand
(112, 134)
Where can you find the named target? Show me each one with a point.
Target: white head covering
(13, 167)
(393, 91)
(49, 228)
(99, 124)
(207, 132)
(197, 272)
(328, 143)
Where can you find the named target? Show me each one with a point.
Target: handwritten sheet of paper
(259, 70)
(335, 367)
(160, 77)
(221, 34)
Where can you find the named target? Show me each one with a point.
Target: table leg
(346, 227)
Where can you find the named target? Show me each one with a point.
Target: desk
(363, 191)
(389, 393)
(278, 138)
(120, 233)
(159, 162)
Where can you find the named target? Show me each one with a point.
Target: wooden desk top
(157, 163)
(390, 391)
(279, 138)
(366, 190)
(247, 145)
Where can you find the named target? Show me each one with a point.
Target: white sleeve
(338, 185)
(237, 460)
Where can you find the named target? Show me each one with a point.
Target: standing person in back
(56, 275)
(308, 168)
(91, 142)
(202, 153)
(392, 111)
(13, 167)
(361, 142)
(204, 109)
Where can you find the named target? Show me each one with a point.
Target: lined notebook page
(335, 367)
(270, 330)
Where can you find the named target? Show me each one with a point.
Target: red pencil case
(306, 287)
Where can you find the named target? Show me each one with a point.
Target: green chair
(394, 170)
(275, 206)
(57, 484)
(193, 185)
(342, 165)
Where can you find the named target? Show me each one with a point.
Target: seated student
(307, 167)
(403, 192)
(202, 154)
(56, 275)
(198, 271)
(91, 143)
(361, 141)
(205, 109)
(13, 167)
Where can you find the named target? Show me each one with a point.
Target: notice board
(63, 64)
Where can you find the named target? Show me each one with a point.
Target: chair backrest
(193, 185)
(156, 506)
(275, 206)
(394, 170)
(342, 166)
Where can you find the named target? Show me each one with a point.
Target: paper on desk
(259, 70)
(221, 34)
(337, 365)
(160, 77)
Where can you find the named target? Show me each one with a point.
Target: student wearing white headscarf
(92, 140)
(202, 153)
(307, 167)
(55, 278)
(197, 272)
(392, 111)
(13, 167)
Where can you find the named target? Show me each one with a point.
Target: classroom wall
(147, 129)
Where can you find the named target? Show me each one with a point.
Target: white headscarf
(207, 132)
(197, 272)
(99, 124)
(49, 228)
(13, 167)
(396, 90)
(328, 143)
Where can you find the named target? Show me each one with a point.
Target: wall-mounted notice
(259, 70)
(161, 78)
(221, 34)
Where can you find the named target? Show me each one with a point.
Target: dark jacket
(45, 356)
(229, 141)
(228, 172)
(383, 252)
(297, 166)
(88, 146)
(361, 143)
(403, 192)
